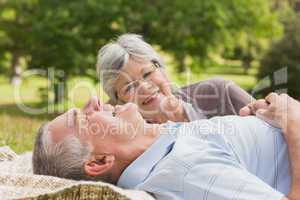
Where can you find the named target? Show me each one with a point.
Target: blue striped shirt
(217, 159)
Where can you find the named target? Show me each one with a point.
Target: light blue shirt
(218, 159)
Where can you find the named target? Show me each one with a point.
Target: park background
(252, 42)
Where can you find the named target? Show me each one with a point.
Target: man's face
(97, 123)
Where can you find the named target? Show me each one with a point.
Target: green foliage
(284, 53)
(60, 35)
(68, 34)
(250, 45)
(65, 35)
(197, 28)
(15, 23)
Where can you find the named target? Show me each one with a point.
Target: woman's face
(143, 83)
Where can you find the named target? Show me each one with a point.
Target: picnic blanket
(17, 181)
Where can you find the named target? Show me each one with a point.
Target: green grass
(18, 128)
(236, 74)
(245, 81)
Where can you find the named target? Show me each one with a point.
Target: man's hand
(279, 110)
(284, 112)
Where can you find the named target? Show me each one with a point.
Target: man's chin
(130, 113)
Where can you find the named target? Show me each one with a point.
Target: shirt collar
(141, 168)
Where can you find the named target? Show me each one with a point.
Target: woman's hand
(279, 110)
(172, 107)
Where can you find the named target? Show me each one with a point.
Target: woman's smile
(151, 99)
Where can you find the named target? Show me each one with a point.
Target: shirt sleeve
(236, 96)
(225, 179)
(216, 97)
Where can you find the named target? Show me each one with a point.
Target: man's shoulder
(167, 175)
(200, 141)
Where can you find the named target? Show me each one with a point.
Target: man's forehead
(48, 132)
(57, 121)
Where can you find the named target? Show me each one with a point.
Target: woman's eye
(128, 88)
(147, 74)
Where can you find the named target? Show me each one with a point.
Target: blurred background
(47, 47)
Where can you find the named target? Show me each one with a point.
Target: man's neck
(144, 139)
(137, 146)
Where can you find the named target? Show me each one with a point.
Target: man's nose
(108, 107)
(93, 104)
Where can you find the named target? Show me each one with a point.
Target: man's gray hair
(63, 159)
(112, 57)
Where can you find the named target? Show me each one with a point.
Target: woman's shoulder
(213, 83)
(213, 86)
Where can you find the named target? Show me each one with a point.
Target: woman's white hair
(112, 57)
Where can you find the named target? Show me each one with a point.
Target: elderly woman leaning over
(132, 71)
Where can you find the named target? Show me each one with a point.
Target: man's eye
(71, 118)
(74, 116)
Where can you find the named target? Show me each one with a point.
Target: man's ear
(99, 164)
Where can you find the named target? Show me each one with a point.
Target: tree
(16, 24)
(65, 35)
(284, 53)
(62, 35)
(197, 28)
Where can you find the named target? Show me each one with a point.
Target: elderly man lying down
(227, 157)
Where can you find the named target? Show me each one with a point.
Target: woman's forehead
(135, 65)
(132, 69)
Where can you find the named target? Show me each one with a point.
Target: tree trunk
(246, 66)
(297, 6)
(60, 90)
(15, 78)
(181, 63)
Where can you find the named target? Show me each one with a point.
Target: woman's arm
(237, 96)
(216, 97)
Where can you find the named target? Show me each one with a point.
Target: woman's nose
(145, 87)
